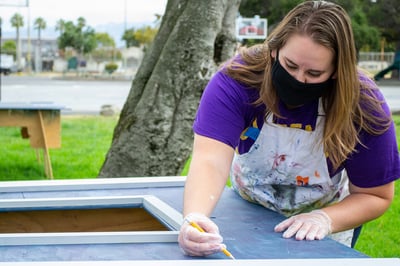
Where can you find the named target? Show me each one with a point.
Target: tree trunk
(153, 136)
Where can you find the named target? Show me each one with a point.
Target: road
(88, 96)
(392, 96)
(78, 96)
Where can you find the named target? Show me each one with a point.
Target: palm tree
(60, 26)
(17, 21)
(81, 22)
(39, 25)
(81, 25)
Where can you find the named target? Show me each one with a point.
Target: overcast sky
(96, 12)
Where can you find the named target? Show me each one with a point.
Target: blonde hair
(347, 110)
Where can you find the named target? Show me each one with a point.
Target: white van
(6, 63)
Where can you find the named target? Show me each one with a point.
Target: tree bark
(153, 136)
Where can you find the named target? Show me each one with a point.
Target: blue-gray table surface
(247, 230)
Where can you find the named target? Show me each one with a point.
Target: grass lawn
(381, 237)
(86, 140)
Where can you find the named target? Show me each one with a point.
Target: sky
(95, 12)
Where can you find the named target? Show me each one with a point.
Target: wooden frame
(159, 209)
(92, 183)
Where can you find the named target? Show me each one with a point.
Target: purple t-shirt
(227, 113)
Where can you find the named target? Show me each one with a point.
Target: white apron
(286, 170)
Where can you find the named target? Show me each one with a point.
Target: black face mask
(293, 92)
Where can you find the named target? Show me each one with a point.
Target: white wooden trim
(91, 183)
(62, 203)
(163, 212)
(167, 215)
(30, 239)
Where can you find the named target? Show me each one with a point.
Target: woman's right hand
(196, 243)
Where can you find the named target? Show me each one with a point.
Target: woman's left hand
(314, 225)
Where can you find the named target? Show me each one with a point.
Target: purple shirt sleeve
(377, 161)
(225, 110)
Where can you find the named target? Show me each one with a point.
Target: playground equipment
(394, 66)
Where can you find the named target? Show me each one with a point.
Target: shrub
(111, 67)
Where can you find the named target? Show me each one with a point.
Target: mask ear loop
(277, 55)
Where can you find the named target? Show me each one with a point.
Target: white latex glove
(314, 225)
(196, 243)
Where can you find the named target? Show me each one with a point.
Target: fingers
(195, 243)
(208, 226)
(296, 228)
(310, 226)
(284, 225)
(202, 241)
(307, 231)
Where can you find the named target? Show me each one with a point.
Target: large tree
(153, 136)
(385, 15)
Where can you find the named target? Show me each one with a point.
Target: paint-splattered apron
(286, 170)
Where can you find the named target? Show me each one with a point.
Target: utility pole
(125, 28)
(125, 15)
(28, 55)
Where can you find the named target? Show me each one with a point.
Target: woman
(298, 129)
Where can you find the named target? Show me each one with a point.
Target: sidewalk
(75, 75)
(388, 82)
(72, 75)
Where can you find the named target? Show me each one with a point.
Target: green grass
(84, 144)
(86, 140)
(381, 237)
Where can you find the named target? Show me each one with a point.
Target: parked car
(6, 64)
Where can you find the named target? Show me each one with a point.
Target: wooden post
(46, 157)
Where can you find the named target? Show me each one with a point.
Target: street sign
(251, 28)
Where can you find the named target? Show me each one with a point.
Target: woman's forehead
(303, 51)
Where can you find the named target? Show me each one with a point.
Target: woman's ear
(273, 54)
